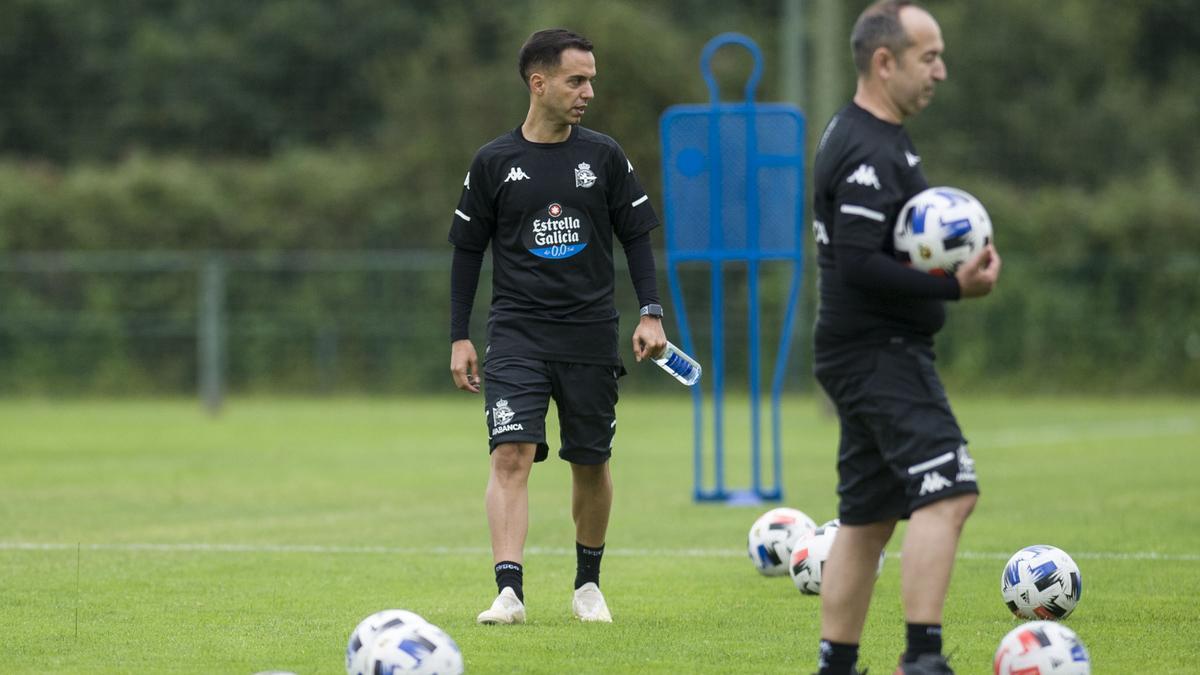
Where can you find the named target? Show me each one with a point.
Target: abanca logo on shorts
(559, 234)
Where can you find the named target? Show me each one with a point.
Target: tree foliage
(348, 124)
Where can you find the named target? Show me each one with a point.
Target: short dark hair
(545, 47)
(879, 26)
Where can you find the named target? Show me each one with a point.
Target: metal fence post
(210, 333)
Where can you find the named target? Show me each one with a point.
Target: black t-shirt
(865, 171)
(549, 212)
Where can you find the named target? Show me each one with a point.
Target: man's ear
(537, 83)
(883, 63)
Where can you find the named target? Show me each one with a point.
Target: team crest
(555, 210)
(584, 178)
(501, 413)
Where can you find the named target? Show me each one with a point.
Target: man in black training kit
(548, 197)
(901, 453)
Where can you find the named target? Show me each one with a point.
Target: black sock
(837, 658)
(587, 564)
(510, 574)
(923, 638)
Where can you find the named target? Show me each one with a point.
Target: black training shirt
(865, 170)
(550, 212)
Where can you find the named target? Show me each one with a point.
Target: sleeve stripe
(642, 199)
(462, 215)
(853, 210)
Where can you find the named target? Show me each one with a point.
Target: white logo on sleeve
(467, 181)
(966, 465)
(517, 173)
(820, 232)
(934, 482)
(630, 164)
(864, 175)
(913, 160)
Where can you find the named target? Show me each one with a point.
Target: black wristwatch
(652, 310)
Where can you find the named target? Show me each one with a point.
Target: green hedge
(1099, 289)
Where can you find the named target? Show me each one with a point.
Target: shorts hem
(541, 452)
(960, 489)
(585, 457)
(871, 519)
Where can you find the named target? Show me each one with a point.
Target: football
(1041, 648)
(809, 555)
(1041, 582)
(941, 228)
(772, 537)
(422, 649)
(364, 634)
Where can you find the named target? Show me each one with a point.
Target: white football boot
(505, 609)
(589, 604)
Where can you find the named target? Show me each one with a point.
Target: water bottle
(681, 366)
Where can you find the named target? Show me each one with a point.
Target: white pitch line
(533, 550)
(1169, 426)
(1089, 555)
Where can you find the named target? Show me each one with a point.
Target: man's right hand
(977, 277)
(464, 365)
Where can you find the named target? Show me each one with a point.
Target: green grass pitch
(144, 537)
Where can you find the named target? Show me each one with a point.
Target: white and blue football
(941, 228)
(1041, 582)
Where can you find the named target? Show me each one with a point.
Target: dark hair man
(548, 197)
(901, 453)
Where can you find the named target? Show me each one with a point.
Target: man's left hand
(649, 340)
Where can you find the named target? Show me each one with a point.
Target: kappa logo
(913, 160)
(864, 175)
(467, 181)
(934, 482)
(629, 164)
(584, 178)
(517, 173)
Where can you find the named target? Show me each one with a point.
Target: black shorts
(900, 446)
(517, 393)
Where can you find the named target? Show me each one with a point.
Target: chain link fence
(314, 323)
